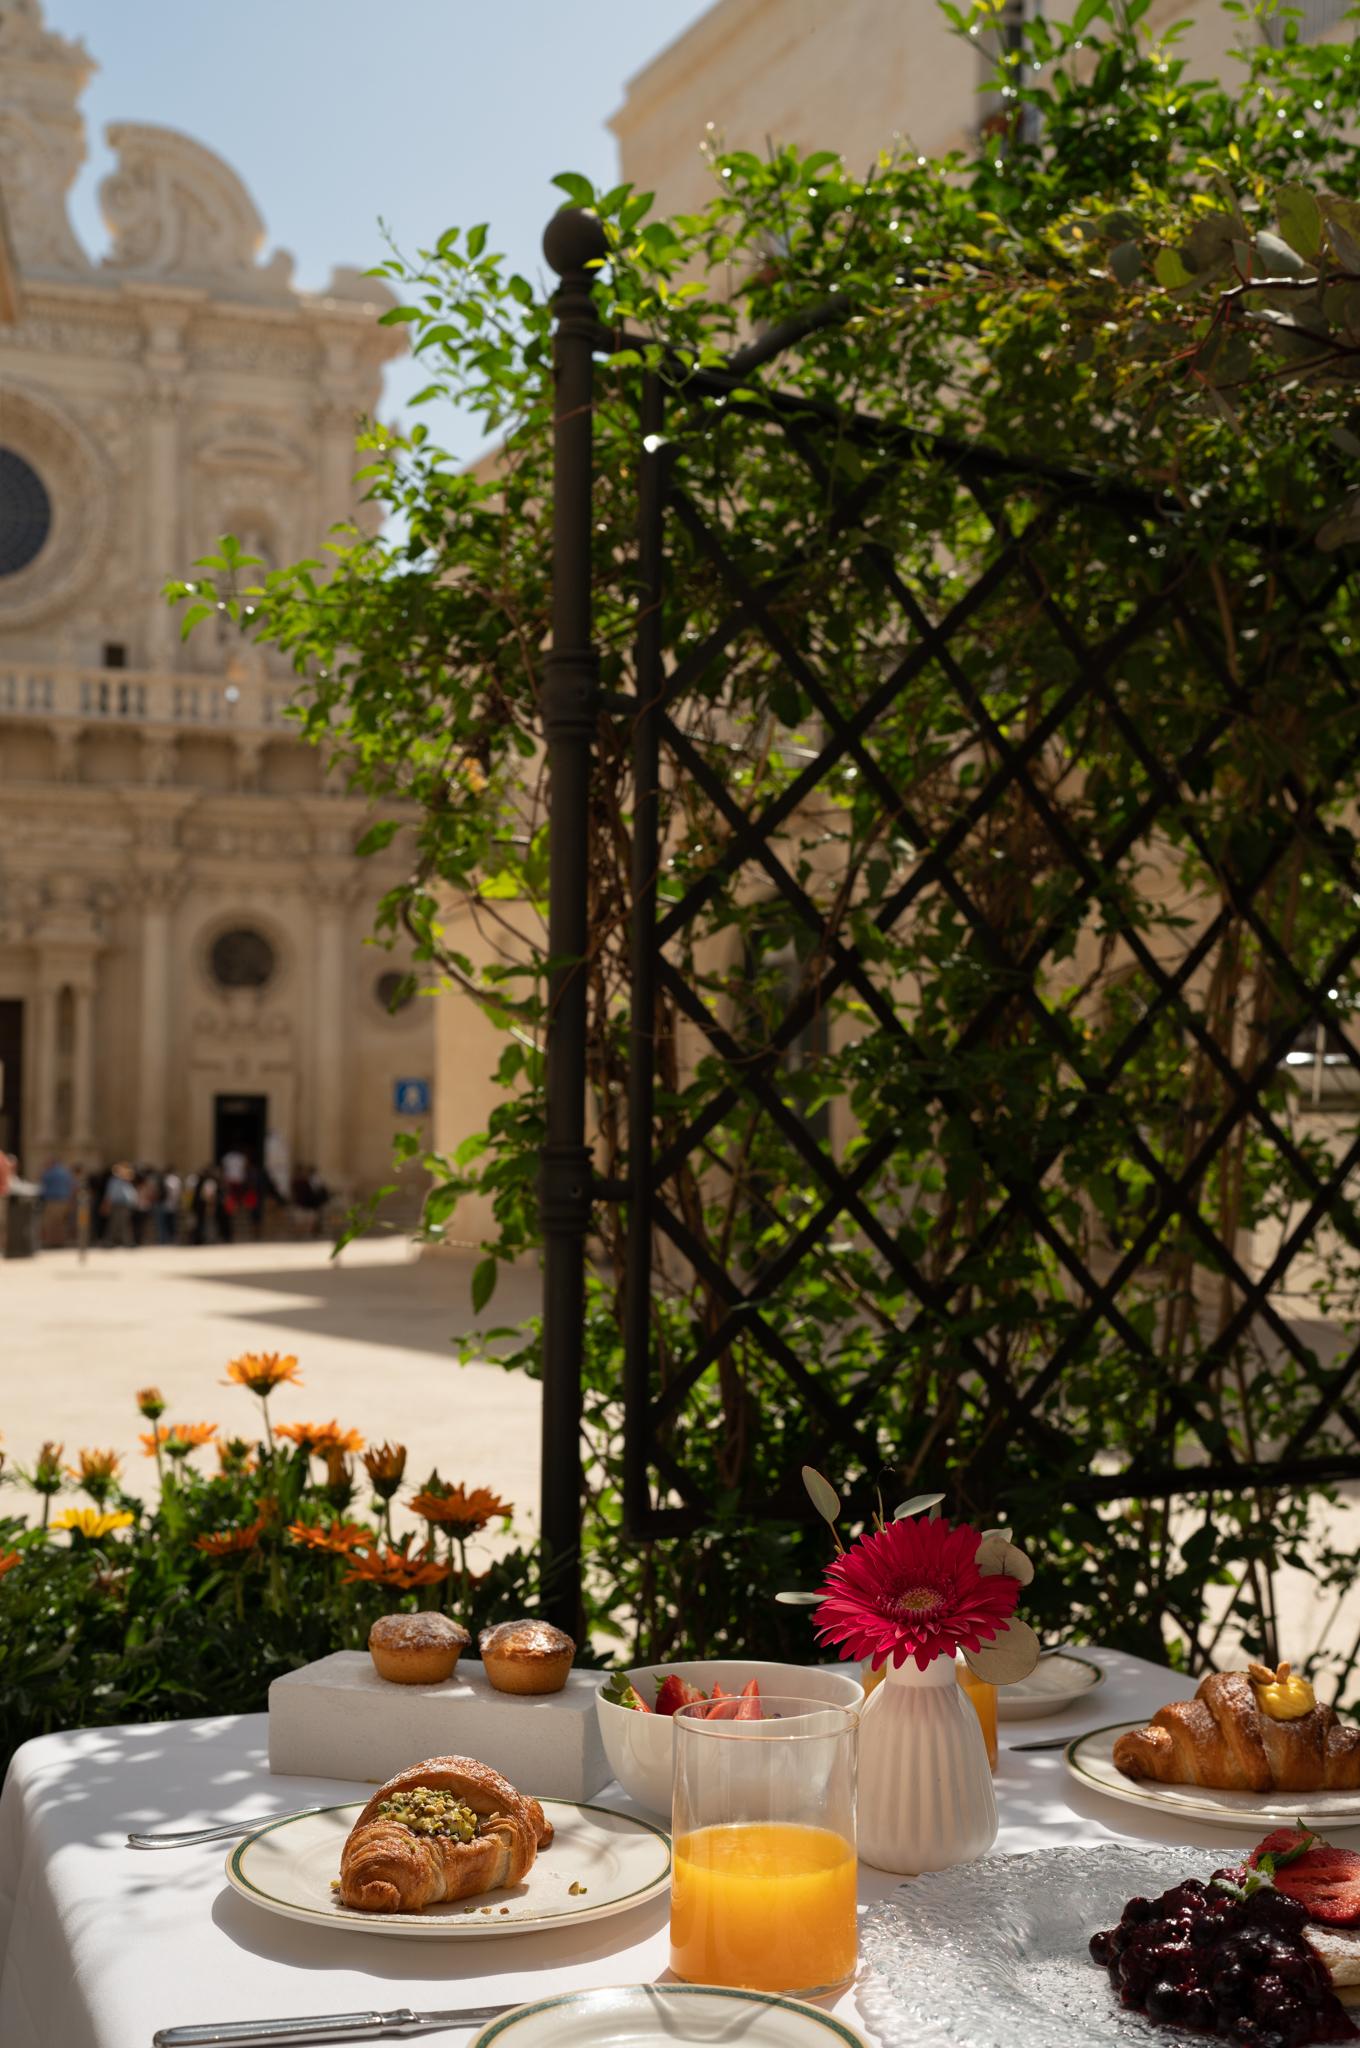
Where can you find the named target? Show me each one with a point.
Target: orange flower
(394, 1568)
(385, 1464)
(459, 1512)
(262, 1371)
(232, 1542)
(234, 1457)
(151, 1402)
(341, 1537)
(177, 1439)
(8, 1560)
(97, 1472)
(319, 1436)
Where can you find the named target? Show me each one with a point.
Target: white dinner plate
(1090, 1758)
(618, 1861)
(1058, 1680)
(994, 1954)
(638, 2014)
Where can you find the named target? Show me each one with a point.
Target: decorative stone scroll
(175, 210)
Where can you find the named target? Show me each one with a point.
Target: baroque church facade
(182, 914)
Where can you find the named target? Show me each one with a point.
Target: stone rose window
(25, 513)
(393, 992)
(241, 958)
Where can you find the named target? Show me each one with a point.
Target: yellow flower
(262, 1371)
(91, 1522)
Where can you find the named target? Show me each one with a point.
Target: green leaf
(579, 190)
(378, 836)
(800, 1599)
(1168, 269)
(1089, 11)
(1126, 261)
(483, 1284)
(1011, 1657)
(822, 1494)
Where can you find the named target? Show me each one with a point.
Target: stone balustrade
(127, 696)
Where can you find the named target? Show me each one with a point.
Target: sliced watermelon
(673, 1691)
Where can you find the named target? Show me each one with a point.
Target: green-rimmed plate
(636, 2014)
(616, 1861)
(1090, 1759)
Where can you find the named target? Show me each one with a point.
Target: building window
(115, 654)
(394, 991)
(25, 513)
(241, 958)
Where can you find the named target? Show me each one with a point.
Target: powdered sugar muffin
(416, 1649)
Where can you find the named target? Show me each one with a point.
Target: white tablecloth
(100, 1945)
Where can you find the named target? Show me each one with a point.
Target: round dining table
(101, 1944)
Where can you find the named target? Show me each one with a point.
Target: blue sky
(342, 113)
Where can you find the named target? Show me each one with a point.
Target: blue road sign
(411, 1098)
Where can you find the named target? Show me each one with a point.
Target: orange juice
(983, 1697)
(764, 1905)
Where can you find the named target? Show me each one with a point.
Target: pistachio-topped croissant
(447, 1829)
(1246, 1731)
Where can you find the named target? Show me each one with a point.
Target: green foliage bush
(1137, 273)
(117, 1611)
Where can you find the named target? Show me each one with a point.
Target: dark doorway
(239, 1125)
(12, 1092)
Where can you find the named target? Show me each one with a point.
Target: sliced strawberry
(724, 1706)
(1326, 1883)
(673, 1691)
(750, 1708)
(1286, 1842)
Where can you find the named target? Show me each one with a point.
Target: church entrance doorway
(12, 1085)
(239, 1125)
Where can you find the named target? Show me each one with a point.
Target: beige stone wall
(153, 794)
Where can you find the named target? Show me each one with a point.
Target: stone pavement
(372, 1333)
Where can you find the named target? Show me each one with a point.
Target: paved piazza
(372, 1332)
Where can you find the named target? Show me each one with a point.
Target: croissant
(1223, 1738)
(411, 1848)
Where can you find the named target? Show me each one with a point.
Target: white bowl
(639, 1745)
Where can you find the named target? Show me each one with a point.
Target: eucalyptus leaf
(917, 1505)
(800, 1599)
(996, 1555)
(1300, 219)
(822, 1494)
(1011, 1657)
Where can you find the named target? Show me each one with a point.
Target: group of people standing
(125, 1205)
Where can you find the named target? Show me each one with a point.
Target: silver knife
(318, 2028)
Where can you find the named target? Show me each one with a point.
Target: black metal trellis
(660, 1495)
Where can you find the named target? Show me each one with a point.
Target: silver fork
(185, 1837)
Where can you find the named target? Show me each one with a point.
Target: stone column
(166, 366)
(82, 1145)
(332, 895)
(41, 1049)
(157, 891)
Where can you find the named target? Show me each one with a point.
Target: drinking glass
(763, 1815)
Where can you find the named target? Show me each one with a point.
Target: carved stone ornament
(42, 138)
(76, 478)
(175, 210)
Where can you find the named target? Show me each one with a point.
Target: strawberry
(1285, 1843)
(623, 1693)
(750, 1708)
(672, 1691)
(1326, 1882)
(724, 1706)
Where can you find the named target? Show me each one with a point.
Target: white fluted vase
(925, 1786)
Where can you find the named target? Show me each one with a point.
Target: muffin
(416, 1649)
(526, 1656)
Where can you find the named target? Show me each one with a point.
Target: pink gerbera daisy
(913, 1590)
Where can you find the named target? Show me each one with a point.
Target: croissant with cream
(447, 1829)
(1246, 1731)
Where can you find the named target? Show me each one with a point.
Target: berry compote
(1238, 1966)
